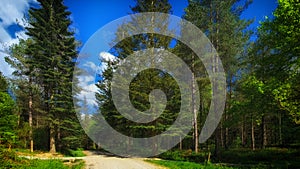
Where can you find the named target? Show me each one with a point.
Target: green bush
(75, 153)
(272, 157)
(186, 155)
(173, 155)
(9, 159)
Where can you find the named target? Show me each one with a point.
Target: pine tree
(53, 53)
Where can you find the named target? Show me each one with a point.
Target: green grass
(75, 153)
(9, 159)
(186, 165)
(241, 158)
(44, 164)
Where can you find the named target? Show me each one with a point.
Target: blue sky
(90, 15)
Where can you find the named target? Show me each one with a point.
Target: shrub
(75, 153)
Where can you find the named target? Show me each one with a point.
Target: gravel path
(97, 160)
(93, 161)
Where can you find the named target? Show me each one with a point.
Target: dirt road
(96, 161)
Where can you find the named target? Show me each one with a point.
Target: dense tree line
(262, 106)
(261, 97)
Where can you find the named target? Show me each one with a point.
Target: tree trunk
(194, 107)
(280, 129)
(180, 143)
(30, 115)
(221, 135)
(243, 133)
(264, 132)
(252, 134)
(52, 140)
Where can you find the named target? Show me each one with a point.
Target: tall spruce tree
(53, 53)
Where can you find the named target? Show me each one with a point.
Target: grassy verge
(49, 164)
(242, 158)
(186, 165)
(9, 159)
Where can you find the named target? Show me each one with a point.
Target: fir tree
(53, 53)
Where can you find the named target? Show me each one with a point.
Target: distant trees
(261, 75)
(146, 81)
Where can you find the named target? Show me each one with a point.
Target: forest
(260, 124)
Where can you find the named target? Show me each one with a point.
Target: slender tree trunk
(214, 41)
(194, 107)
(280, 129)
(243, 132)
(221, 135)
(30, 115)
(264, 132)
(228, 108)
(226, 137)
(180, 143)
(252, 134)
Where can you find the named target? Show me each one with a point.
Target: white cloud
(89, 89)
(11, 12)
(87, 80)
(87, 83)
(91, 66)
(107, 56)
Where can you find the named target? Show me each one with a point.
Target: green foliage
(241, 158)
(144, 82)
(9, 159)
(8, 120)
(75, 153)
(186, 155)
(186, 165)
(276, 56)
(51, 54)
(269, 158)
(3, 83)
(41, 138)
